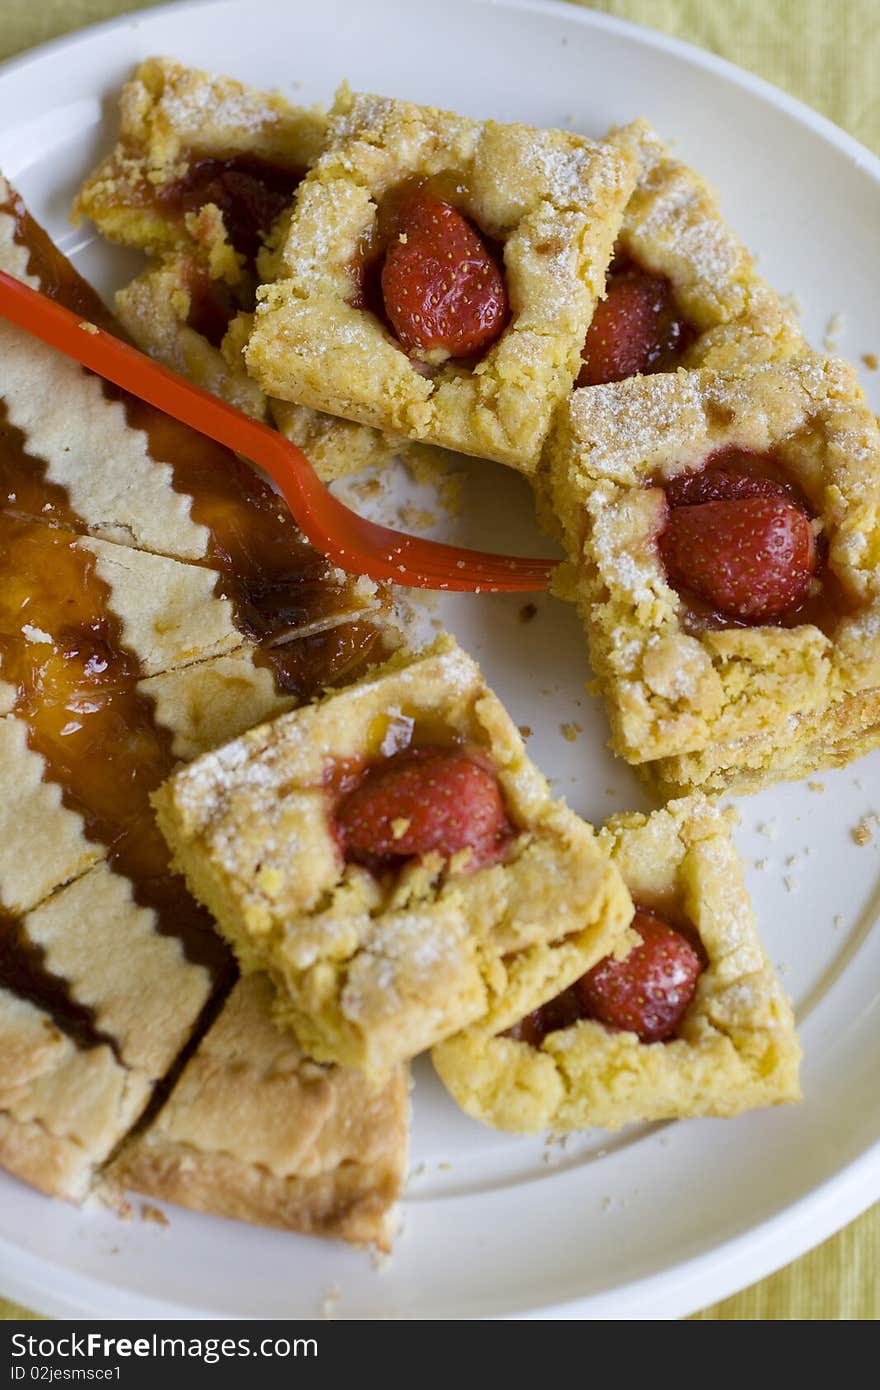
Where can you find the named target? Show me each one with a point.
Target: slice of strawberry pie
(690, 1021)
(438, 275)
(722, 536)
(682, 289)
(391, 857)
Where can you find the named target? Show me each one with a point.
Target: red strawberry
(649, 992)
(430, 799)
(635, 328)
(440, 283)
(728, 483)
(752, 559)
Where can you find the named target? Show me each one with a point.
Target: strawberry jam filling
(250, 193)
(430, 275)
(211, 307)
(739, 544)
(637, 329)
(427, 799)
(648, 993)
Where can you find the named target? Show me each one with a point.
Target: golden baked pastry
(201, 162)
(155, 599)
(550, 199)
(202, 169)
(373, 965)
(696, 700)
(672, 226)
(735, 1049)
(255, 1130)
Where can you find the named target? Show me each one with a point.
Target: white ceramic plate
(658, 1221)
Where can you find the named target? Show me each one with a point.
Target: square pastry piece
(202, 170)
(724, 533)
(691, 1022)
(682, 289)
(203, 163)
(256, 1131)
(388, 856)
(439, 274)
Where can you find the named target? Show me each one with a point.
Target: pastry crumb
(871, 361)
(837, 921)
(437, 469)
(445, 1167)
(762, 864)
(792, 861)
(380, 1259)
(833, 330)
(416, 518)
(570, 731)
(329, 1302)
(526, 730)
(816, 786)
(91, 328)
(153, 1214)
(768, 828)
(792, 884)
(863, 833)
(528, 612)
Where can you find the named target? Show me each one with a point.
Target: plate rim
(721, 1271)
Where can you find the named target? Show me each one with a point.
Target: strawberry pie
(438, 275)
(719, 529)
(682, 289)
(201, 178)
(690, 1020)
(392, 859)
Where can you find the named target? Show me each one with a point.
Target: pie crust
(732, 708)
(736, 1049)
(62, 1108)
(255, 1130)
(168, 114)
(172, 115)
(371, 971)
(552, 198)
(673, 226)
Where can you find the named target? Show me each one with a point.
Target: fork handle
(125, 366)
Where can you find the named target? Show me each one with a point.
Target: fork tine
(355, 542)
(431, 564)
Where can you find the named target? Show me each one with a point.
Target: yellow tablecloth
(827, 52)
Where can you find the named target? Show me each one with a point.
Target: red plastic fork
(337, 532)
